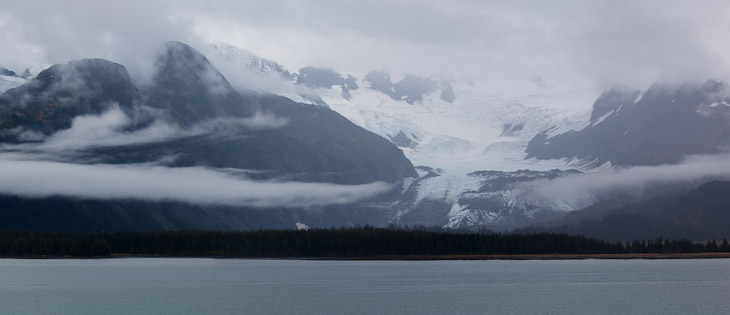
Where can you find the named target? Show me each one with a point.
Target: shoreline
(536, 257)
(651, 256)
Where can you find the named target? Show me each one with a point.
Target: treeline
(340, 242)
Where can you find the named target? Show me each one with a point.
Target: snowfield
(9, 82)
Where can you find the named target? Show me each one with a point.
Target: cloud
(195, 185)
(107, 130)
(579, 191)
(261, 120)
(588, 44)
(605, 42)
(110, 129)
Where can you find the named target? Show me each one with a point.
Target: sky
(587, 44)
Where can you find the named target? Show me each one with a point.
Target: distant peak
(411, 88)
(6, 72)
(181, 60)
(177, 45)
(92, 71)
(249, 60)
(319, 77)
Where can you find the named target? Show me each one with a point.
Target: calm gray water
(210, 286)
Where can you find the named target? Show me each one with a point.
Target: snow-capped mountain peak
(249, 60)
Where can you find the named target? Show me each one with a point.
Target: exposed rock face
(411, 88)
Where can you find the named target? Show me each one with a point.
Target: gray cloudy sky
(591, 43)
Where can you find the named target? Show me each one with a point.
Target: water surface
(231, 286)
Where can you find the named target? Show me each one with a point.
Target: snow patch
(447, 187)
(640, 96)
(602, 118)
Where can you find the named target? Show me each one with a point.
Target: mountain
(191, 90)
(250, 61)
(7, 72)
(204, 121)
(325, 78)
(659, 126)
(411, 88)
(265, 75)
(701, 213)
(51, 100)
(451, 129)
(453, 140)
(481, 154)
(492, 200)
(316, 144)
(479, 149)
(314, 77)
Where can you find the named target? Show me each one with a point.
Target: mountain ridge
(298, 143)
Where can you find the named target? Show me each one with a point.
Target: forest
(325, 243)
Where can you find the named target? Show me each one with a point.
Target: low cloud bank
(195, 185)
(582, 190)
(108, 130)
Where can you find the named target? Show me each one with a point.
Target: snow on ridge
(470, 129)
(602, 118)
(640, 96)
(9, 82)
(252, 61)
(447, 187)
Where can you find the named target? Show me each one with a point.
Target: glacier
(480, 126)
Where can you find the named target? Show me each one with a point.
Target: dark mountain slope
(316, 144)
(664, 126)
(191, 89)
(702, 213)
(318, 138)
(81, 215)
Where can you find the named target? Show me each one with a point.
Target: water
(210, 286)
